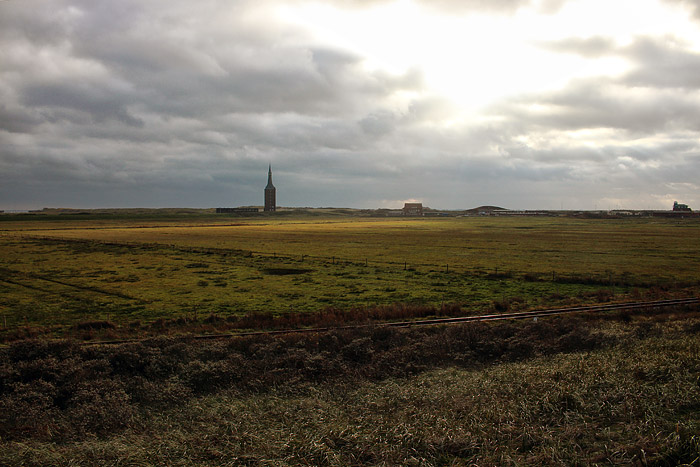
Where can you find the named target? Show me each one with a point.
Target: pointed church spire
(270, 192)
(269, 178)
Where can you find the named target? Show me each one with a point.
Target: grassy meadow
(614, 388)
(58, 273)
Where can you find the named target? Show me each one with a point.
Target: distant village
(412, 209)
(418, 210)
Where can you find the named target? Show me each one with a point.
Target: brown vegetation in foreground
(61, 390)
(70, 394)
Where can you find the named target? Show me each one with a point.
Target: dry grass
(619, 388)
(556, 392)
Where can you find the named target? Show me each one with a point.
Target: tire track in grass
(7, 272)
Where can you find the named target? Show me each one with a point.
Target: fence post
(612, 286)
(404, 265)
(447, 268)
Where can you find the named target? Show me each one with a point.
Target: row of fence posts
(447, 268)
(405, 264)
(303, 256)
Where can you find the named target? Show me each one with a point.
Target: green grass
(601, 389)
(56, 273)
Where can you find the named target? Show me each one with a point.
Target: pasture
(58, 273)
(611, 388)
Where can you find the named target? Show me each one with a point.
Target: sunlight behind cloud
(475, 59)
(446, 101)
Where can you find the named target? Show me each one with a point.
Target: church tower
(270, 192)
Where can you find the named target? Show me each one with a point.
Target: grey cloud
(478, 5)
(595, 46)
(554, 155)
(693, 6)
(467, 6)
(100, 103)
(548, 7)
(173, 73)
(551, 7)
(162, 104)
(18, 22)
(16, 119)
(663, 63)
(598, 103)
(164, 77)
(378, 123)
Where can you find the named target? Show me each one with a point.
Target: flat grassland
(614, 388)
(57, 273)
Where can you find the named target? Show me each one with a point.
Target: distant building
(413, 209)
(234, 210)
(678, 207)
(270, 193)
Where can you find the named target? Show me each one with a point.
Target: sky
(523, 104)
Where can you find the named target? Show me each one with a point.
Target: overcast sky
(525, 104)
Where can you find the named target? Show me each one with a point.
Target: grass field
(614, 388)
(60, 272)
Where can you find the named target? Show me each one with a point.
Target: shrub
(28, 411)
(204, 377)
(94, 325)
(99, 407)
(358, 351)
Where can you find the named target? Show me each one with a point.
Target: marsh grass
(614, 388)
(561, 391)
(56, 274)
